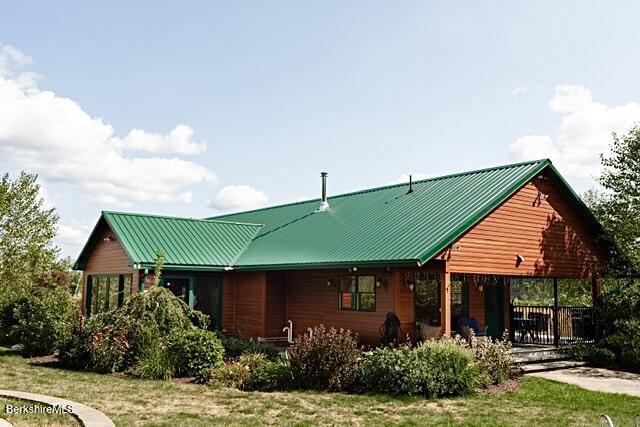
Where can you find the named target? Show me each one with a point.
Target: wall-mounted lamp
(479, 286)
(410, 280)
(542, 196)
(330, 283)
(519, 260)
(108, 239)
(353, 269)
(381, 282)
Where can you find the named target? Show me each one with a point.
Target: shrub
(40, 321)
(495, 358)
(155, 363)
(235, 347)
(127, 339)
(253, 371)
(326, 359)
(391, 370)
(602, 356)
(618, 314)
(196, 352)
(434, 368)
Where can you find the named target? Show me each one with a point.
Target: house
(431, 251)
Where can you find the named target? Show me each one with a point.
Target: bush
(127, 339)
(253, 371)
(602, 356)
(155, 363)
(495, 358)
(434, 368)
(235, 347)
(326, 359)
(196, 352)
(618, 314)
(40, 321)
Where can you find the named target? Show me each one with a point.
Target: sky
(198, 108)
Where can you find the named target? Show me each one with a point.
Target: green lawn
(139, 402)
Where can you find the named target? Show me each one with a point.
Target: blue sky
(114, 104)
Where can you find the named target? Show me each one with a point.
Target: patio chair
(470, 323)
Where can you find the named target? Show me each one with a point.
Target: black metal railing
(536, 324)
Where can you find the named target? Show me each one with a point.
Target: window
(105, 292)
(426, 296)
(357, 293)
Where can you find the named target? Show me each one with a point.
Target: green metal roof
(379, 226)
(383, 225)
(186, 242)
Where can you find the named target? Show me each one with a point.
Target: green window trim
(357, 293)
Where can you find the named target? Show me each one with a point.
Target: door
(426, 297)
(494, 308)
(182, 287)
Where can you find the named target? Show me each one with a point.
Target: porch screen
(357, 293)
(107, 291)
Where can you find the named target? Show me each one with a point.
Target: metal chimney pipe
(324, 204)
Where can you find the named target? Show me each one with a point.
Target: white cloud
(585, 132)
(72, 235)
(177, 141)
(533, 147)
(404, 178)
(519, 90)
(53, 136)
(239, 198)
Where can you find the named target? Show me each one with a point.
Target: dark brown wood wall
(549, 233)
(107, 257)
(276, 303)
(250, 303)
(311, 302)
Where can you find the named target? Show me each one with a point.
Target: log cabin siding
(250, 303)
(310, 302)
(550, 234)
(276, 303)
(229, 303)
(107, 257)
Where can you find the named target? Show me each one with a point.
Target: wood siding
(311, 302)
(250, 313)
(276, 303)
(549, 233)
(107, 257)
(229, 303)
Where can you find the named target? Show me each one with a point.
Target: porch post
(556, 318)
(445, 302)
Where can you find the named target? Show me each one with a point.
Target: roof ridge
(384, 187)
(182, 218)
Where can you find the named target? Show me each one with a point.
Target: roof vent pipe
(324, 204)
(410, 185)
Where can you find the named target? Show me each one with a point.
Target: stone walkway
(597, 379)
(85, 414)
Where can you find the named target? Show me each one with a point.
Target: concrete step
(535, 356)
(551, 365)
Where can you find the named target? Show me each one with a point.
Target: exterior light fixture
(410, 281)
(381, 282)
(108, 239)
(330, 283)
(542, 196)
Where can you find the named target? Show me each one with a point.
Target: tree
(157, 271)
(27, 229)
(618, 207)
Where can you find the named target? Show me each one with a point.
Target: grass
(129, 401)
